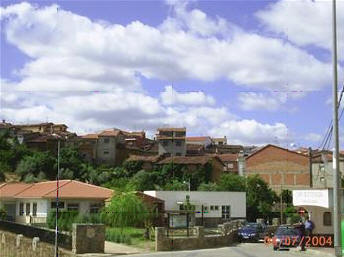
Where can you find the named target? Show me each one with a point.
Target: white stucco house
(319, 205)
(31, 203)
(211, 208)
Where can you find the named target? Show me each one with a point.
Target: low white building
(31, 203)
(319, 206)
(211, 207)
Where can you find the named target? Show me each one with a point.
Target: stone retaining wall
(200, 241)
(16, 245)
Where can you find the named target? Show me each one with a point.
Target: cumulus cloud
(172, 97)
(92, 82)
(252, 132)
(253, 101)
(311, 22)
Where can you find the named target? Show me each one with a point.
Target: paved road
(241, 250)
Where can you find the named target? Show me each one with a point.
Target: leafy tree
(132, 167)
(37, 163)
(287, 197)
(232, 182)
(176, 185)
(143, 180)
(3, 214)
(259, 198)
(208, 187)
(125, 209)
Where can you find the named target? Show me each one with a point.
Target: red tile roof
(144, 158)
(90, 136)
(228, 157)
(189, 159)
(197, 139)
(67, 189)
(110, 133)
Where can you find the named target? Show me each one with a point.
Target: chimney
(3, 121)
(241, 163)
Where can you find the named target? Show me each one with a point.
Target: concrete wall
(323, 178)
(237, 201)
(171, 147)
(110, 148)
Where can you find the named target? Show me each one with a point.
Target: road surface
(241, 250)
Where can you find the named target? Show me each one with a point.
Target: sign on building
(311, 198)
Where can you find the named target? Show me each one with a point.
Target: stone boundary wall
(16, 245)
(45, 235)
(200, 241)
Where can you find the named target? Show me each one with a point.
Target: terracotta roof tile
(10, 190)
(153, 158)
(67, 189)
(90, 136)
(188, 159)
(228, 157)
(197, 138)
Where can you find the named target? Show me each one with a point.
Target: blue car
(251, 232)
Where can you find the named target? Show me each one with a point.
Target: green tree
(232, 182)
(176, 185)
(259, 198)
(287, 197)
(125, 209)
(37, 164)
(208, 187)
(143, 180)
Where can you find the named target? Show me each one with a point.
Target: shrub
(119, 235)
(3, 214)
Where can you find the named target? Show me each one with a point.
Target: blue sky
(243, 69)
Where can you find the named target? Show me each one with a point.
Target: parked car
(251, 232)
(286, 237)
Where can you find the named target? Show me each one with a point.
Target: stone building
(171, 141)
(279, 167)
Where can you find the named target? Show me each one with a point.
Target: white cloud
(172, 97)
(73, 56)
(314, 137)
(304, 22)
(191, 52)
(252, 132)
(252, 101)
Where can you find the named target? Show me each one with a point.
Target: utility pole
(336, 190)
(281, 203)
(310, 167)
(57, 199)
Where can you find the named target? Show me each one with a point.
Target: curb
(320, 252)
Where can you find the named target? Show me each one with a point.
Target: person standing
(309, 227)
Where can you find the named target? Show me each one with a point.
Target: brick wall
(278, 166)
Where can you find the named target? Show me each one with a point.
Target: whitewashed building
(211, 208)
(31, 203)
(319, 205)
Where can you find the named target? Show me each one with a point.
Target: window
(73, 207)
(216, 207)
(212, 207)
(95, 207)
(61, 205)
(230, 165)
(21, 209)
(106, 152)
(178, 143)
(106, 140)
(27, 209)
(327, 219)
(34, 209)
(226, 211)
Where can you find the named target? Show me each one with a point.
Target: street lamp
(189, 184)
(57, 194)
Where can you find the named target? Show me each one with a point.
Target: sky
(257, 72)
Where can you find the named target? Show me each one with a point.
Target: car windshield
(287, 232)
(251, 225)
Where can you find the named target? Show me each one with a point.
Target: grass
(129, 236)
